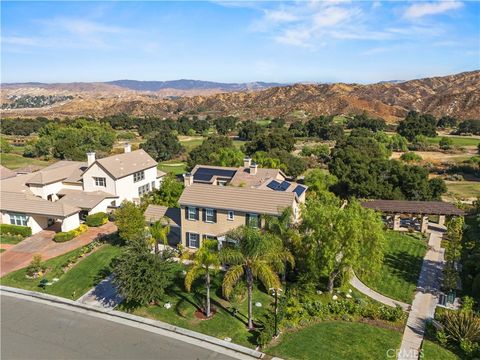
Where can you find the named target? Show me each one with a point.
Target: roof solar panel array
(299, 190)
(206, 174)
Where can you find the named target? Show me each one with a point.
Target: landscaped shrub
(410, 157)
(35, 268)
(69, 235)
(97, 219)
(24, 231)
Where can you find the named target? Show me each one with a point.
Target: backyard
(401, 267)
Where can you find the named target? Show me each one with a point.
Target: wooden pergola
(421, 208)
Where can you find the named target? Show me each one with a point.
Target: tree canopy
(163, 146)
(416, 124)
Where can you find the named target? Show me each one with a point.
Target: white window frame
(232, 213)
(144, 189)
(138, 176)
(250, 216)
(197, 240)
(18, 219)
(189, 214)
(212, 215)
(100, 181)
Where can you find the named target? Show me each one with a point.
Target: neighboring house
(170, 216)
(211, 211)
(76, 189)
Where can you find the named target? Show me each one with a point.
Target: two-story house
(67, 191)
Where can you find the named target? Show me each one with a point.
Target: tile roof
(29, 204)
(59, 171)
(413, 207)
(160, 173)
(83, 199)
(237, 198)
(6, 173)
(156, 212)
(125, 164)
(17, 183)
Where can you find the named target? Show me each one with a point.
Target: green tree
(445, 143)
(202, 154)
(168, 193)
(159, 231)
(279, 139)
(225, 124)
(249, 130)
(453, 251)
(5, 146)
(319, 181)
(142, 277)
(230, 156)
(162, 146)
(298, 129)
(130, 222)
(416, 124)
(255, 255)
(205, 261)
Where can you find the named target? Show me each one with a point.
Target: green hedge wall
(97, 219)
(15, 230)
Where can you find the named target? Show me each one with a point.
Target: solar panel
(273, 185)
(299, 190)
(206, 174)
(284, 186)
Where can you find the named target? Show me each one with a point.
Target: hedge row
(24, 231)
(97, 219)
(69, 235)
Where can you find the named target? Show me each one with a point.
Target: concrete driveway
(20, 255)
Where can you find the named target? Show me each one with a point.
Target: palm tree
(159, 231)
(205, 260)
(282, 227)
(255, 255)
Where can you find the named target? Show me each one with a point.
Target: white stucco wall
(44, 191)
(35, 222)
(72, 186)
(89, 182)
(101, 207)
(71, 222)
(128, 190)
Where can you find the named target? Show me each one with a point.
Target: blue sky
(234, 41)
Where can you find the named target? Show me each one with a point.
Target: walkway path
(20, 255)
(364, 289)
(426, 298)
(104, 295)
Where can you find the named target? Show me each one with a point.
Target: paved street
(32, 330)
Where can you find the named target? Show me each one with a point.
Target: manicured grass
(457, 140)
(190, 142)
(14, 161)
(432, 351)
(223, 324)
(401, 267)
(77, 281)
(337, 340)
(10, 239)
(238, 143)
(264, 122)
(173, 166)
(463, 189)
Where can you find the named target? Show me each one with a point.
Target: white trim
(198, 240)
(213, 215)
(194, 218)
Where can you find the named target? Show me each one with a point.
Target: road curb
(137, 319)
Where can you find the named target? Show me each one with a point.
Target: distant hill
(456, 95)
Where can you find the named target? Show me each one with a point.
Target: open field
(190, 142)
(173, 166)
(437, 157)
(77, 281)
(14, 161)
(399, 273)
(337, 340)
(467, 141)
(462, 190)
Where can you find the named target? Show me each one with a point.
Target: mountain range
(455, 95)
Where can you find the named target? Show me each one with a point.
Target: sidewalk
(426, 298)
(104, 295)
(20, 255)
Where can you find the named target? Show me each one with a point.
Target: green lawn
(190, 142)
(222, 325)
(77, 281)
(173, 166)
(14, 161)
(238, 143)
(10, 239)
(337, 340)
(463, 189)
(457, 140)
(401, 267)
(432, 351)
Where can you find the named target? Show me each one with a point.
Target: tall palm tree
(206, 259)
(159, 231)
(282, 227)
(255, 255)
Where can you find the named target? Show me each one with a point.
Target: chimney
(187, 179)
(90, 158)
(253, 169)
(247, 162)
(127, 148)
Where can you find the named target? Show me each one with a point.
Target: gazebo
(421, 208)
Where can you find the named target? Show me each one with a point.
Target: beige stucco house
(67, 191)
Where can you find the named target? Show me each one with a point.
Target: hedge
(24, 231)
(69, 235)
(97, 219)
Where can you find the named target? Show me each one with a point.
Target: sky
(238, 41)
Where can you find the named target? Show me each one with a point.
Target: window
(142, 190)
(193, 240)
(138, 176)
(18, 219)
(192, 213)
(231, 215)
(208, 237)
(253, 220)
(222, 182)
(100, 181)
(209, 215)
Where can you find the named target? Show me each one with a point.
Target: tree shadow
(404, 265)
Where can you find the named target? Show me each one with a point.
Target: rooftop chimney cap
(127, 147)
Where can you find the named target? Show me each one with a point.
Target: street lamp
(275, 292)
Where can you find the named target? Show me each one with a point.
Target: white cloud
(419, 10)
